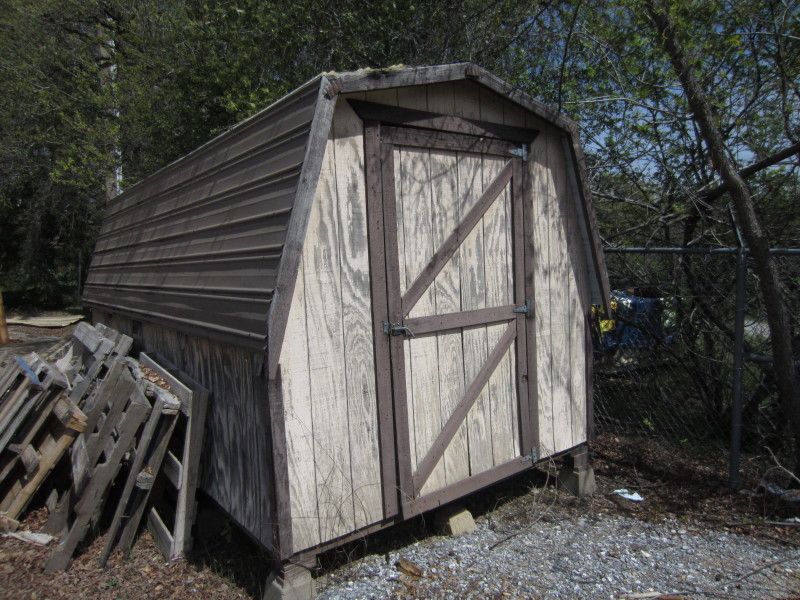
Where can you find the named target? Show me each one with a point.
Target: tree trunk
(768, 276)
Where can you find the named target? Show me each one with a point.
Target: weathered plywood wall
(236, 464)
(327, 365)
(562, 296)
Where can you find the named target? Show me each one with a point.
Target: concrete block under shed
(455, 521)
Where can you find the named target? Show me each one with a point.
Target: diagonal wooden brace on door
(450, 428)
(454, 240)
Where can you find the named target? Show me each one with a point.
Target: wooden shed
(385, 280)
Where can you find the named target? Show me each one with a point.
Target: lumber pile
(88, 423)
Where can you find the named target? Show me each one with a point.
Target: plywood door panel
(446, 215)
(473, 296)
(499, 291)
(417, 214)
(447, 287)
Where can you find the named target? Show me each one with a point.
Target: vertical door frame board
(395, 314)
(521, 295)
(530, 324)
(380, 305)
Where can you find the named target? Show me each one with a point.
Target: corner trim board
(278, 314)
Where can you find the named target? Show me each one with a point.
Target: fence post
(738, 362)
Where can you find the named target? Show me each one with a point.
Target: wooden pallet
(119, 406)
(171, 517)
(150, 451)
(38, 431)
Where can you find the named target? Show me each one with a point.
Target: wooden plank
(424, 274)
(442, 140)
(377, 265)
(161, 534)
(166, 372)
(523, 292)
(538, 170)
(190, 469)
(92, 497)
(580, 303)
(411, 117)
(296, 393)
(417, 213)
(282, 531)
(437, 448)
(559, 296)
(358, 355)
(172, 470)
(446, 288)
(48, 458)
(95, 442)
(142, 451)
(293, 246)
(473, 297)
(458, 320)
(88, 336)
(499, 269)
(139, 504)
(467, 486)
(322, 267)
(401, 372)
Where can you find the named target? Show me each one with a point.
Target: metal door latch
(525, 309)
(397, 329)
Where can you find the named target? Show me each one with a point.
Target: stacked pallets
(107, 422)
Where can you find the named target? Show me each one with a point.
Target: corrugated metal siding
(197, 245)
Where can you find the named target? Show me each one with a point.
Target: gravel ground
(604, 556)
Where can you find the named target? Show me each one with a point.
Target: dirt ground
(686, 485)
(680, 482)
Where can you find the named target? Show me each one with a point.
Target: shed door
(451, 233)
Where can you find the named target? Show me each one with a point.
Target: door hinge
(397, 329)
(525, 309)
(521, 152)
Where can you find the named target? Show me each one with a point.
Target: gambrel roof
(210, 243)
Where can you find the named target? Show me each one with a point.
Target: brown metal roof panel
(259, 229)
(198, 245)
(210, 314)
(281, 159)
(281, 119)
(273, 194)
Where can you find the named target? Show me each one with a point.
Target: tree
(757, 241)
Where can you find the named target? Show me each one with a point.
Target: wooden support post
(577, 475)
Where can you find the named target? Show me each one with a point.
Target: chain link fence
(665, 365)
